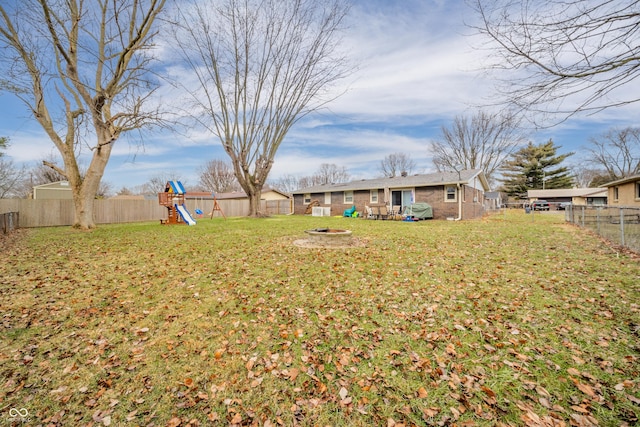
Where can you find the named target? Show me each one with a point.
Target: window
(450, 194)
(348, 197)
(373, 197)
(638, 190)
(615, 193)
(307, 198)
(327, 198)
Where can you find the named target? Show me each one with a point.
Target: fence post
(598, 221)
(583, 214)
(622, 226)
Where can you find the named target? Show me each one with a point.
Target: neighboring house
(60, 190)
(495, 199)
(236, 203)
(450, 194)
(624, 192)
(575, 196)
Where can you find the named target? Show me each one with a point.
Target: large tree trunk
(84, 216)
(254, 204)
(85, 188)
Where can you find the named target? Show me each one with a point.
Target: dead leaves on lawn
(404, 332)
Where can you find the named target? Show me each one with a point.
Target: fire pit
(327, 237)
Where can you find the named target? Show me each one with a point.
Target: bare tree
(286, 183)
(218, 176)
(483, 141)
(395, 164)
(617, 151)
(564, 56)
(158, 182)
(329, 173)
(260, 66)
(42, 173)
(81, 67)
(585, 177)
(10, 175)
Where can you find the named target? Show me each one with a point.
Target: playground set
(173, 199)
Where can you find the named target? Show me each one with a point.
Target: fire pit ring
(329, 236)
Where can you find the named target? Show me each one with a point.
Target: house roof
(130, 197)
(566, 192)
(419, 180)
(622, 181)
(58, 185)
(228, 196)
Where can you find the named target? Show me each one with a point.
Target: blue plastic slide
(186, 216)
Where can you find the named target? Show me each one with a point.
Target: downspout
(459, 203)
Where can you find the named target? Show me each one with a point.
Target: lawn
(511, 320)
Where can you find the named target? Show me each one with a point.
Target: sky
(418, 67)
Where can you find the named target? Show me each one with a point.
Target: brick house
(450, 194)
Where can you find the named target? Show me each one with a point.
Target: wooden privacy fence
(47, 213)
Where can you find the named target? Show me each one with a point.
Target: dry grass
(504, 321)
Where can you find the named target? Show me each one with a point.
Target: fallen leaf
(422, 393)
(293, 373)
(455, 412)
(488, 391)
(633, 399)
(542, 391)
(578, 360)
(573, 371)
(430, 412)
(451, 349)
(583, 420)
(586, 389)
(343, 393)
(174, 422)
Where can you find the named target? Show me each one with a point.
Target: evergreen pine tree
(535, 167)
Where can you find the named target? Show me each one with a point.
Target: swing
(197, 210)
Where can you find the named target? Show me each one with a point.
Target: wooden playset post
(216, 207)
